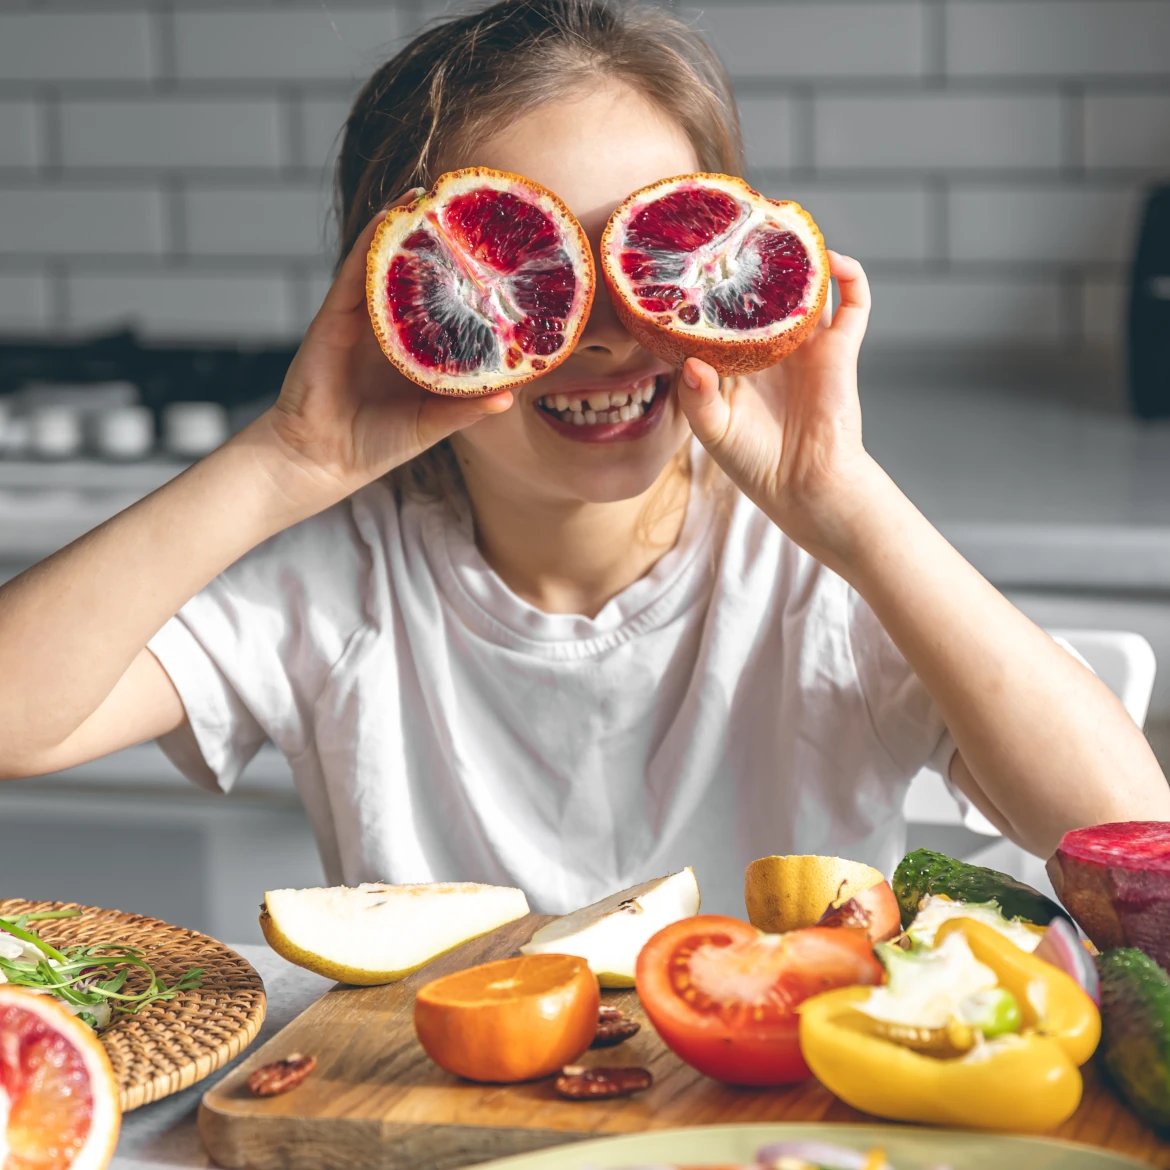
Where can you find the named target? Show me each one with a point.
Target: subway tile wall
(166, 162)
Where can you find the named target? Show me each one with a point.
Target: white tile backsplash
(938, 131)
(171, 151)
(1128, 130)
(1046, 222)
(190, 304)
(278, 219)
(322, 42)
(24, 302)
(1060, 38)
(71, 219)
(819, 40)
(19, 138)
(964, 309)
(165, 132)
(105, 43)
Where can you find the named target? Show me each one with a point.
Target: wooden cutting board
(376, 1100)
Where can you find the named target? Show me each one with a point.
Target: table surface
(164, 1135)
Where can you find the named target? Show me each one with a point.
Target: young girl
(496, 652)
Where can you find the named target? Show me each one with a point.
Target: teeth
(602, 407)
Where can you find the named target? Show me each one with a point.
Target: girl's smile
(625, 412)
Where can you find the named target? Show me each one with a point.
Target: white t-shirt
(739, 700)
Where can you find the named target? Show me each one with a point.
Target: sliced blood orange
(482, 284)
(512, 1020)
(58, 1098)
(703, 266)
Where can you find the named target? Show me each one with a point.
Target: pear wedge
(378, 933)
(609, 934)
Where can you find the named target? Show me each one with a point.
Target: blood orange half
(703, 266)
(482, 284)
(58, 1098)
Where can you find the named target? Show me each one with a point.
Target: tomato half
(723, 994)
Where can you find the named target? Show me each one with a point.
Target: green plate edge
(906, 1148)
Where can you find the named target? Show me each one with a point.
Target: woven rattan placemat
(169, 1045)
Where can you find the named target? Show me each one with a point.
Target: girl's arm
(1044, 746)
(76, 679)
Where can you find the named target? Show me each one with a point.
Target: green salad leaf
(90, 980)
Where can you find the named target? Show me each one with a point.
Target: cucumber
(924, 872)
(1135, 1031)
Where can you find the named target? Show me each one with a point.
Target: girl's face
(592, 149)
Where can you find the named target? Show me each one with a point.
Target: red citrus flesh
(704, 266)
(1115, 881)
(480, 285)
(58, 1101)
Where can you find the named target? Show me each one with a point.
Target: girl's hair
(460, 78)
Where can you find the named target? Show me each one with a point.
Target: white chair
(1125, 662)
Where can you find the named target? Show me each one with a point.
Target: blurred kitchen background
(165, 237)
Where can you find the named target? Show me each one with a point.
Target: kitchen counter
(163, 1135)
(1037, 493)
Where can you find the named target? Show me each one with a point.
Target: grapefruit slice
(378, 933)
(790, 893)
(703, 266)
(58, 1098)
(512, 1020)
(480, 285)
(610, 933)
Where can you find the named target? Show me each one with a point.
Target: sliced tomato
(723, 994)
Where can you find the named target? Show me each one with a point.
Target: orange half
(58, 1098)
(513, 1020)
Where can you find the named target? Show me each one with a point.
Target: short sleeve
(221, 735)
(250, 654)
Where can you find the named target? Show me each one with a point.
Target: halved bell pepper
(1026, 1082)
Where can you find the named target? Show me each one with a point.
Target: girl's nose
(604, 335)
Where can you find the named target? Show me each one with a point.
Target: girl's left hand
(790, 436)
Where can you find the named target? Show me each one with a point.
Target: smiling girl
(498, 647)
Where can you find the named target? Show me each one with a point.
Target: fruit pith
(58, 1100)
(703, 266)
(480, 285)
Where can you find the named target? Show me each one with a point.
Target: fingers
(851, 315)
(701, 402)
(349, 288)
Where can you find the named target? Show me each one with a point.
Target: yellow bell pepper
(1026, 1082)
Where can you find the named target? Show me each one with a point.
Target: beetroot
(1115, 881)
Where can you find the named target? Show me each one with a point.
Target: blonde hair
(453, 81)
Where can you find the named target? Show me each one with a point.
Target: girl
(496, 652)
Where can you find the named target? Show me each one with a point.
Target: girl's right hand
(345, 415)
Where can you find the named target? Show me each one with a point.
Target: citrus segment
(480, 285)
(58, 1099)
(704, 266)
(512, 1020)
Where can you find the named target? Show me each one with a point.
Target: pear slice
(609, 934)
(378, 933)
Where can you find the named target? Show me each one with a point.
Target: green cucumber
(924, 872)
(1135, 1031)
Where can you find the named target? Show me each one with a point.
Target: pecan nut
(613, 1026)
(579, 1083)
(281, 1075)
